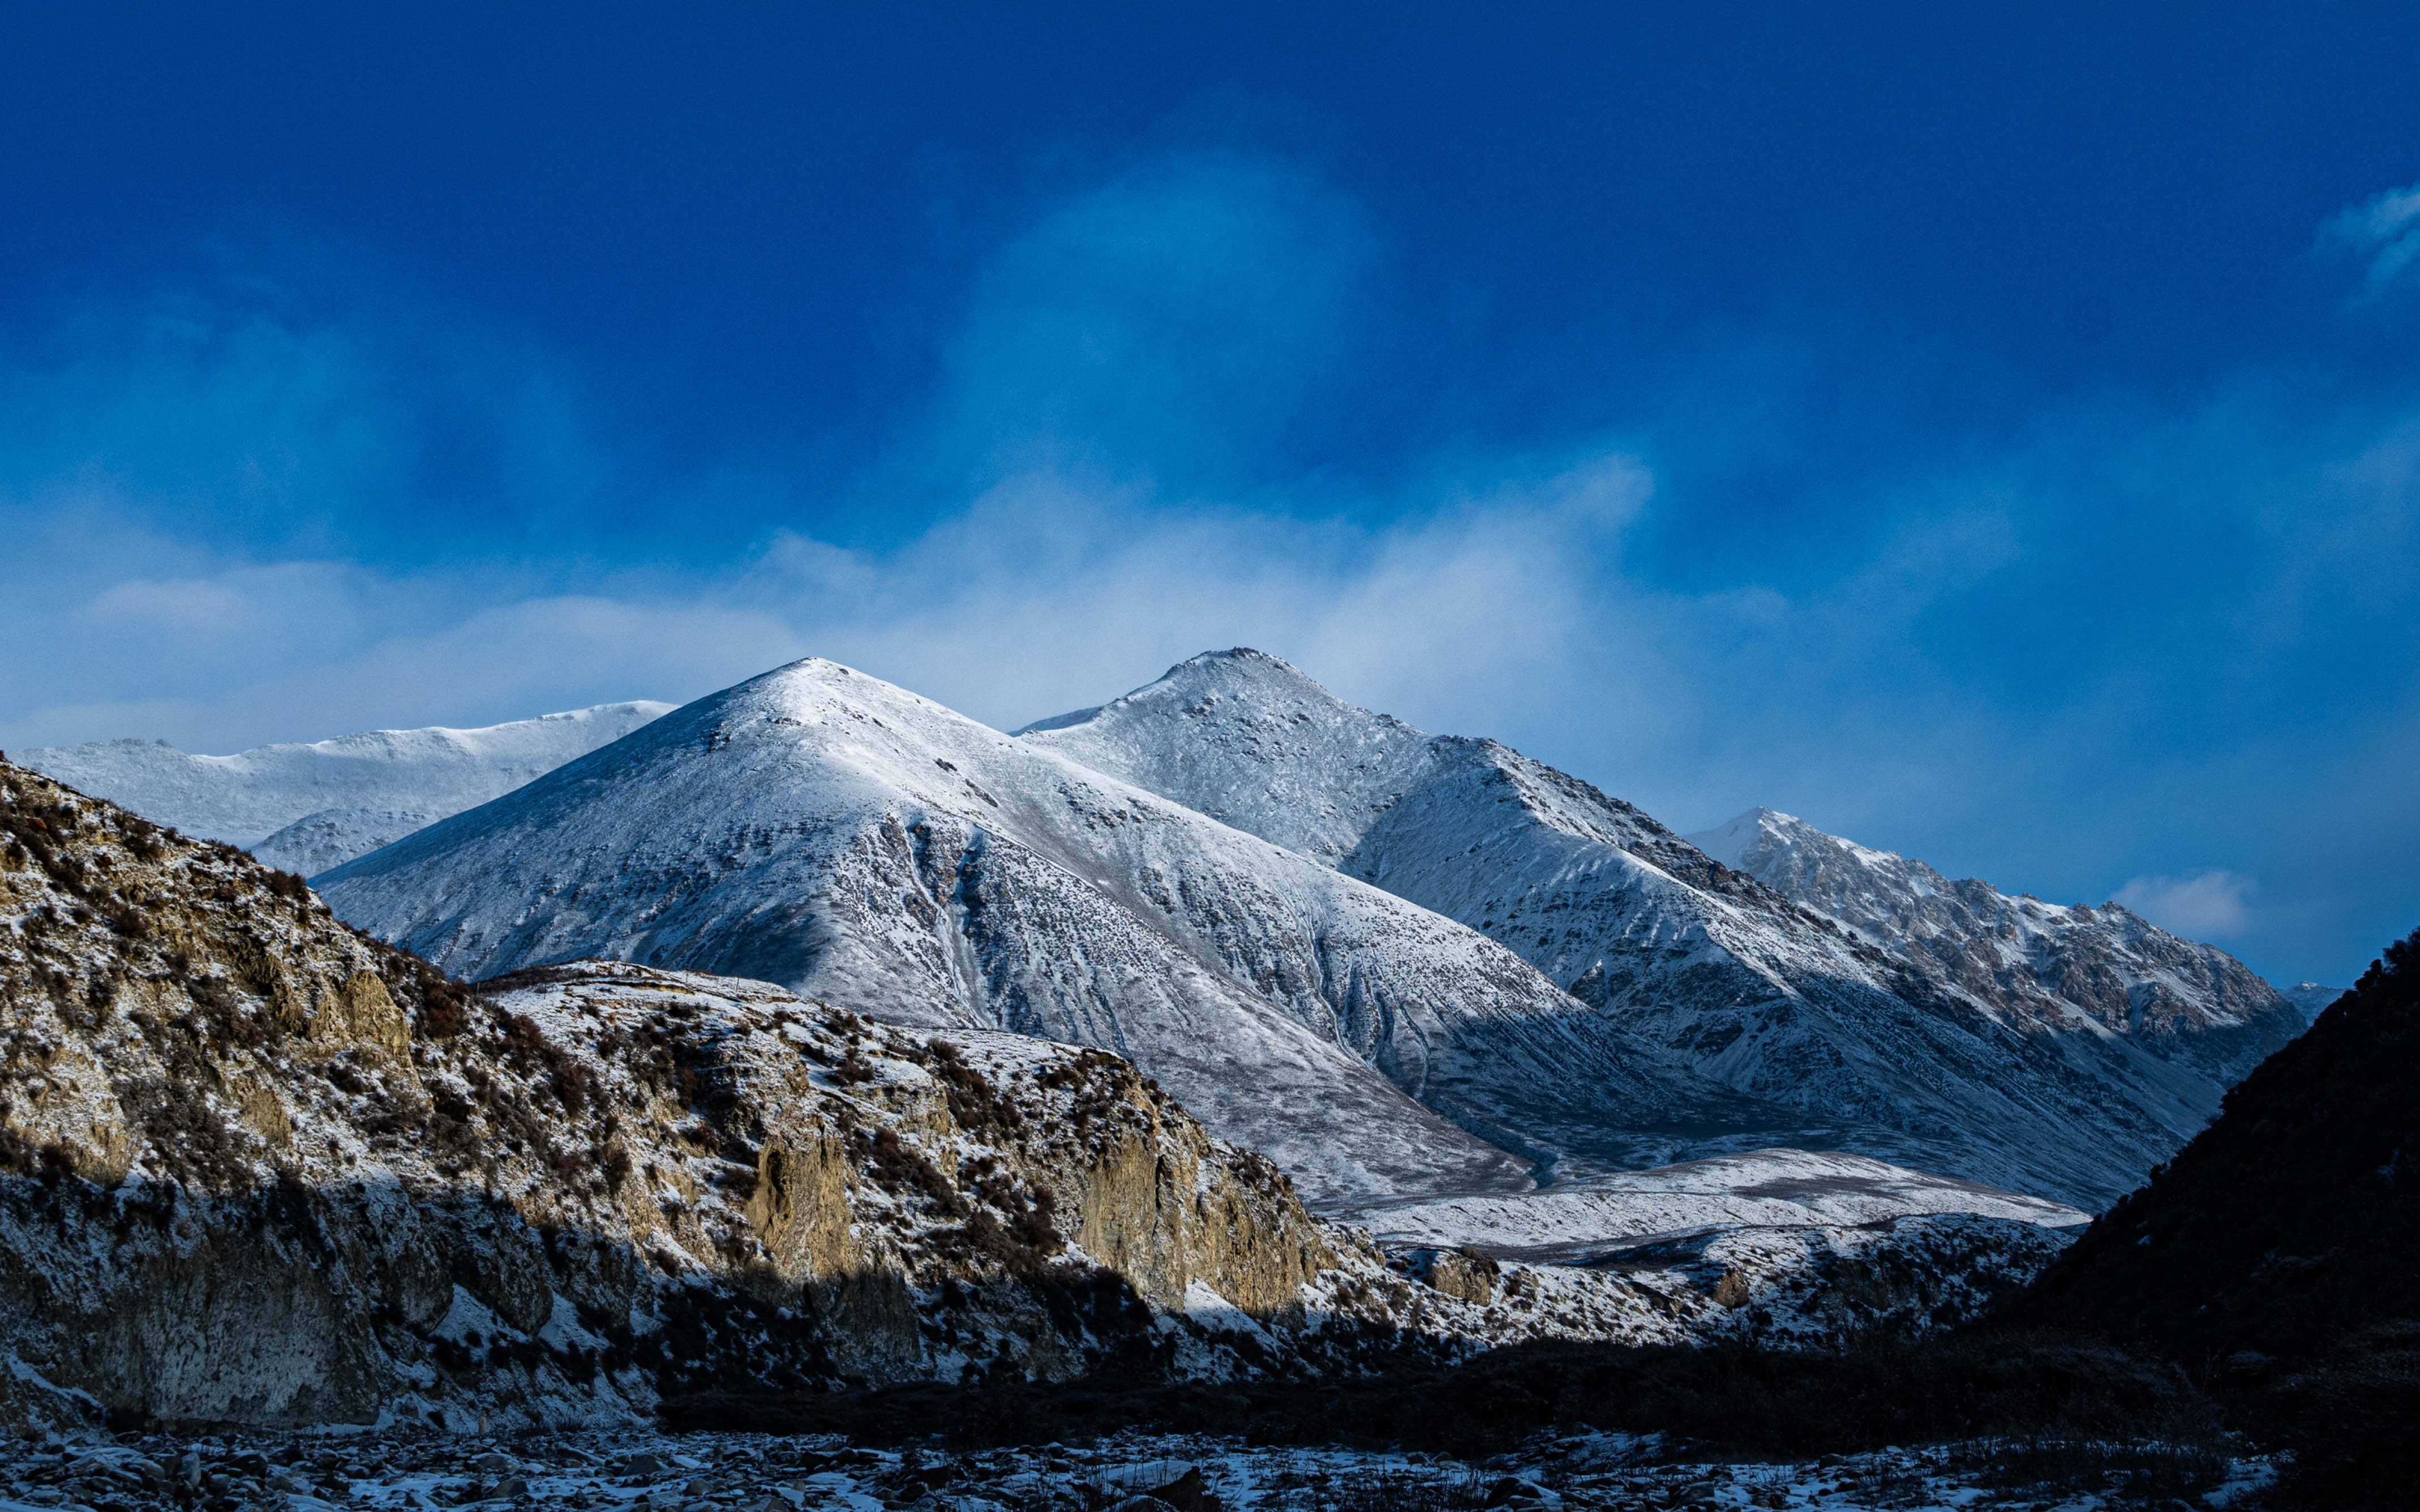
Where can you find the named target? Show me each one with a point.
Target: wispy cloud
(2211, 905)
(2384, 232)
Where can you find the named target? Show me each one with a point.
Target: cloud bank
(2213, 905)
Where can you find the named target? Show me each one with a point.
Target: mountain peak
(1731, 841)
(2016, 953)
(1265, 748)
(1236, 668)
(1261, 684)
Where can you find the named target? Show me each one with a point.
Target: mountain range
(306, 808)
(843, 837)
(2061, 1052)
(1463, 971)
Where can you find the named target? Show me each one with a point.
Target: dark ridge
(2276, 1254)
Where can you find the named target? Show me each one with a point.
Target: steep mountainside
(2276, 1250)
(1773, 1000)
(256, 1169)
(2031, 961)
(823, 830)
(306, 808)
(2294, 1218)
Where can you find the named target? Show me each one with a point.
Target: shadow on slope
(366, 1304)
(2260, 1285)
(1731, 1401)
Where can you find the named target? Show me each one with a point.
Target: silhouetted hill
(2278, 1251)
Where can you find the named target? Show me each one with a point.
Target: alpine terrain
(2030, 960)
(306, 808)
(1894, 1052)
(828, 832)
(2310, 998)
(258, 1170)
(2277, 1248)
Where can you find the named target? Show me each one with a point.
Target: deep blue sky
(1990, 431)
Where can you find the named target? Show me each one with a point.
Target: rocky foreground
(1131, 1474)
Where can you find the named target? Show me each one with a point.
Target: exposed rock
(1464, 1273)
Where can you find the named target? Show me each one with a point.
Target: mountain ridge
(2179, 999)
(307, 806)
(819, 828)
(1775, 999)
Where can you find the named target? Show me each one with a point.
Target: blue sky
(1990, 432)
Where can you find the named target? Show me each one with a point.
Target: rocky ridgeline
(263, 1170)
(2040, 965)
(1843, 1027)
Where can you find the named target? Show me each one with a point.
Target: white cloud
(2383, 231)
(2209, 906)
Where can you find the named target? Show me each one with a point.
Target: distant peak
(1242, 660)
(1234, 671)
(1730, 841)
(1238, 681)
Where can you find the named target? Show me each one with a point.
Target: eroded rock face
(257, 1169)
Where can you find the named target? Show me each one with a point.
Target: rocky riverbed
(1133, 1473)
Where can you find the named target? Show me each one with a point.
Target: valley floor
(613, 1469)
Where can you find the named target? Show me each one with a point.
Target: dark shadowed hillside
(2278, 1251)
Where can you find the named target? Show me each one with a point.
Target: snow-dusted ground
(1765, 1189)
(306, 808)
(1567, 1473)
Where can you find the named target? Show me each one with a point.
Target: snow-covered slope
(306, 808)
(2031, 961)
(2310, 998)
(827, 831)
(1586, 1221)
(1775, 999)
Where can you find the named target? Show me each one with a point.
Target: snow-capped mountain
(306, 808)
(823, 830)
(2310, 998)
(1773, 1000)
(2032, 962)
